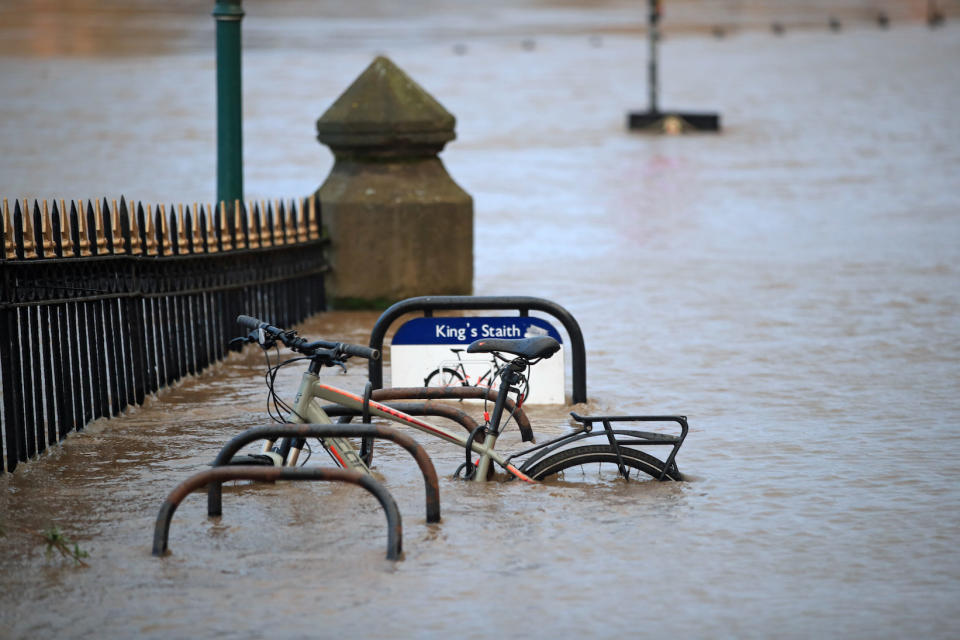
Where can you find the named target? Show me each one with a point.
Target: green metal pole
(228, 14)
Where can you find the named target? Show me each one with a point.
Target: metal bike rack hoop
(272, 432)
(220, 475)
(523, 304)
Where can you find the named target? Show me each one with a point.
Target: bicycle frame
(306, 411)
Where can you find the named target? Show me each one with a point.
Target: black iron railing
(103, 304)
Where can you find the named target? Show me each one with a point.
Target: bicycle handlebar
(249, 323)
(290, 339)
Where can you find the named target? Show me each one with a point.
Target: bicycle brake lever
(260, 337)
(243, 340)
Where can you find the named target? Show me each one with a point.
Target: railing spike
(187, 229)
(56, 229)
(126, 226)
(6, 243)
(137, 233)
(225, 235)
(45, 235)
(268, 233)
(314, 220)
(30, 249)
(256, 228)
(116, 232)
(282, 223)
(203, 227)
(195, 240)
(92, 230)
(300, 214)
(74, 229)
(106, 227)
(17, 231)
(26, 225)
(183, 230)
(160, 227)
(136, 226)
(211, 237)
(240, 238)
(64, 229)
(291, 228)
(173, 232)
(150, 227)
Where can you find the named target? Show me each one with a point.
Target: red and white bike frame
(342, 449)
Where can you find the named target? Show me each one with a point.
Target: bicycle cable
(276, 406)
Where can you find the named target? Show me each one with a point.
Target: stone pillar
(399, 226)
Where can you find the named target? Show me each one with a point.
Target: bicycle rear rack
(636, 438)
(220, 475)
(272, 432)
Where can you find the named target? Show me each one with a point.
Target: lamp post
(228, 14)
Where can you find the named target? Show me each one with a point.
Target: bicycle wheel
(604, 457)
(444, 377)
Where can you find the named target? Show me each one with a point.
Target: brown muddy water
(791, 285)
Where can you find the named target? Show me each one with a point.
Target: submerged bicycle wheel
(600, 458)
(444, 377)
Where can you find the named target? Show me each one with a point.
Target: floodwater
(792, 285)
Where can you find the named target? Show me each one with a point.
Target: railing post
(228, 14)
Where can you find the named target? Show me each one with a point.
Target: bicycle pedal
(275, 457)
(257, 459)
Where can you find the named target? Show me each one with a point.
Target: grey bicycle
(611, 446)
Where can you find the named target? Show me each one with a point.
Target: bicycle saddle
(528, 348)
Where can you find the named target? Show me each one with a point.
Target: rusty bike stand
(272, 474)
(272, 432)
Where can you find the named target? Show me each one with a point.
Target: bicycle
(538, 462)
(453, 373)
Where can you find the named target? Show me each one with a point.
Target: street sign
(432, 351)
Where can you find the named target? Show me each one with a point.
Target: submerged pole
(228, 14)
(653, 35)
(653, 120)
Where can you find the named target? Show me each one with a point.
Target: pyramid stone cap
(385, 111)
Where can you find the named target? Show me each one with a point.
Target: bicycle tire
(602, 454)
(445, 377)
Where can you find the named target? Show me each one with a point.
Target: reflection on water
(791, 285)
